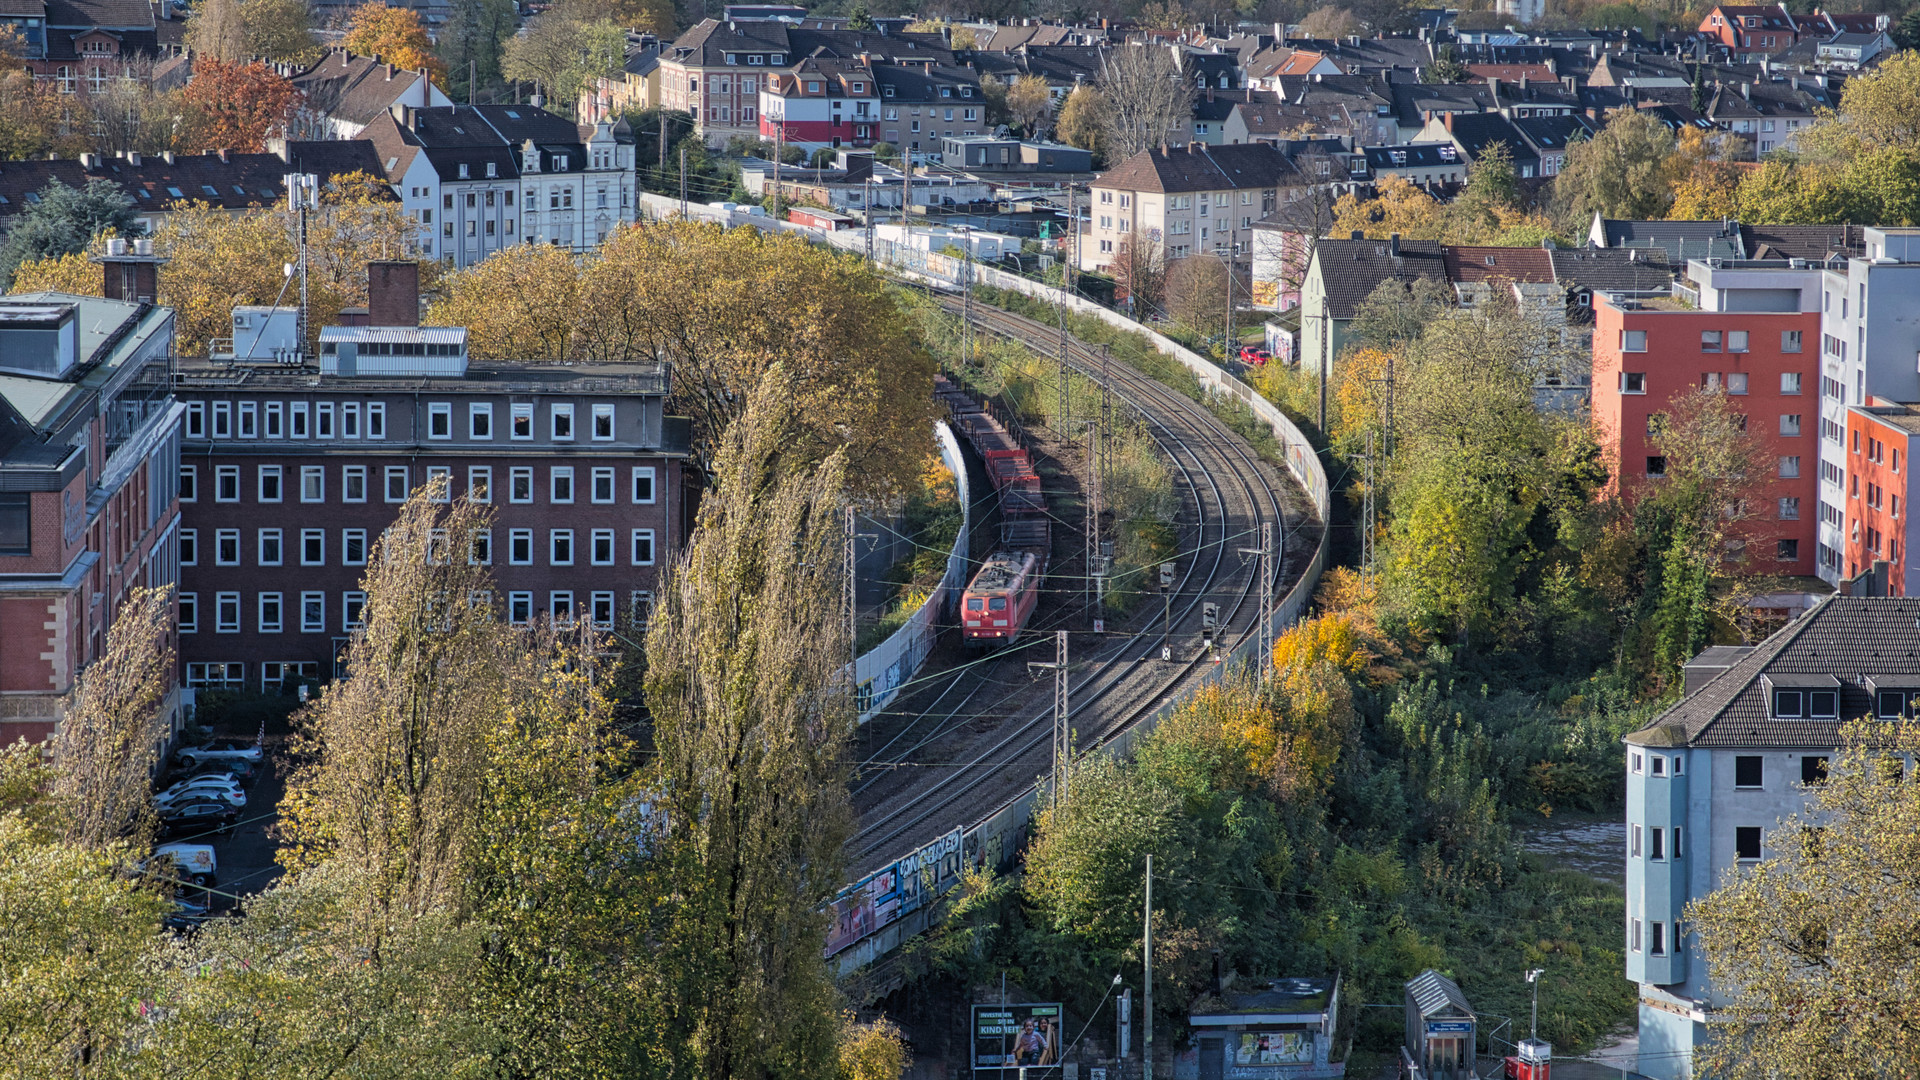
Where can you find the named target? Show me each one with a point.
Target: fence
(880, 671)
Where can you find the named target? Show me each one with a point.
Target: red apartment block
(1880, 447)
(1646, 353)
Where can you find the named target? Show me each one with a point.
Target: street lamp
(1533, 976)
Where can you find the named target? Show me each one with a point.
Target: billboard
(1011, 1039)
(896, 890)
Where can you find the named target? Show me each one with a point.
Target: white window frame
(554, 601)
(514, 476)
(196, 420)
(189, 547)
(560, 415)
(519, 540)
(313, 613)
(279, 479)
(602, 540)
(221, 475)
(602, 476)
(440, 421)
(221, 539)
(555, 538)
(646, 473)
(308, 536)
(223, 419)
(350, 420)
(555, 475)
(270, 602)
(313, 483)
(276, 420)
(519, 412)
(519, 608)
(189, 620)
(441, 472)
(189, 484)
(221, 602)
(634, 542)
(480, 483)
(604, 412)
(598, 602)
(396, 472)
(269, 556)
(249, 426)
(352, 603)
(323, 420)
(480, 421)
(349, 538)
(349, 474)
(376, 420)
(480, 548)
(298, 426)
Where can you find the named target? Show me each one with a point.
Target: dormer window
(887, 90)
(733, 58)
(946, 91)
(493, 170)
(1894, 704)
(560, 163)
(859, 88)
(966, 91)
(754, 60)
(777, 59)
(813, 87)
(463, 170)
(1806, 704)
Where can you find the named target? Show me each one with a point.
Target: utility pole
(966, 301)
(1062, 728)
(1232, 352)
(663, 141)
(850, 593)
(1533, 1028)
(779, 151)
(1146, 1041)
(871, 208)
(683, 191)
(1092, 530)
(1264, 617)
(1066, 285)
(1366, 516)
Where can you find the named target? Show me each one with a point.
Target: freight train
(999, 601)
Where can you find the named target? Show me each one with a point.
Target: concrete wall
(881, 670)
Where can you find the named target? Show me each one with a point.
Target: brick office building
(1881, 438)
(1748, 328)
(89, 448)
(291, 471)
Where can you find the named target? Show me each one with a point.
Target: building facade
(1711, 778)
(1193, 200)
(89, 451)
(1880, 443)
(1866, 299)
(1748, 339)
(290, 473)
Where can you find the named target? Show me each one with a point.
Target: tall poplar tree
(751, 721)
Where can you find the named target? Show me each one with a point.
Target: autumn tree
(242, 105)
(110, 737)
(563, 50)
(751, 723)
(1082, 121)
(64, 221)
(472, 43)
(1140, 273)
(217, 31)
(1149, 98)
(1621, 172)
(280, 31)
(520, 303)
(1705, 173)
(72, 273)
(1031, 103)
(1813, 947)
(396, 37)
(1330, 23)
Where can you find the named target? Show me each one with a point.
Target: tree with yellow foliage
(396, 37)
(71, 273)
(521, 303)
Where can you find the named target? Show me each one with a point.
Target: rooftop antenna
(303, 195)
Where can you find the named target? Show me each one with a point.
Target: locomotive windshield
(998, 603)
(976, 604)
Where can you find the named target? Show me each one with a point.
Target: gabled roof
(120, 14)
(1351, 269)
(355, 89)
(334, 157)
(1474, 132)
(1433, 994)
(234, 182)
(1467, 263)
(1552, 133)
(1198, 167)
(1419, 155)
(1852, 639)
(1512, 72)
(1612, 269)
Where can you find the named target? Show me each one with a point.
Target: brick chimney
(393, 293)
(130, 271)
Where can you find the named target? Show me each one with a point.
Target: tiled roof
(33, 9)
(1512, 72)
(1474, 132)
(1801, 241)
(1853, 639)
(1612, 269)
(235, 182)
(1351, 269)
(122, 14)
(1681, 240)
(355, 89)
(334, 157)
(1197, 167)
(1465, 263)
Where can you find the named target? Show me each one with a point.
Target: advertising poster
(1008, 1038)
(1274, 1048)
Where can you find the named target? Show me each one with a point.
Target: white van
(192, 862)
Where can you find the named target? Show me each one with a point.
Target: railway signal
(1209, 622)
(1166, 605)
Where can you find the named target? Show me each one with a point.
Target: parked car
(194, 756)
(198, 814)
(186, 915)
(224, 790)
(185, 862)
(1255, 356)
(241, 770)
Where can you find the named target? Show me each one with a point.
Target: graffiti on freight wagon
(895, 891)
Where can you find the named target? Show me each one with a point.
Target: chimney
(166, 156)
(1393, 245)
(1746, 90)
(130, 273)
(393, 293)
(133, 158)
(1357, 235)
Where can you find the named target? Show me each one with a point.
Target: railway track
(976, 742)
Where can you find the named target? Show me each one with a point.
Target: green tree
(474, 40)
(751, 723)
(1622, 172)
(109, 741)
(1814, 945)
(280, 30)
(1446, 67)
(64, 221)
(564, 49)
(1396, 312)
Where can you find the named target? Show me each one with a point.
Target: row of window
(1713, 341)
(271, 483)
(1788, 468)
(1733, 382)
(1656, 849)
(317, 420)
(311, 616)
(1656, 939)
(270, 547)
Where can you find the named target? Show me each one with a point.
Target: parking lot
(245, 852)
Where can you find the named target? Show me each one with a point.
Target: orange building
(1648, 352)
(1880, 447)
